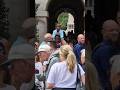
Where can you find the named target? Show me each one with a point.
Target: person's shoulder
(10, 87)
(115, 58)
(62, 30)
(83, 50)
(54, 59)
(100, 46)
(77, 45)
(56, 65)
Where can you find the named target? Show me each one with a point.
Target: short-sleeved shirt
(62, 77)
(61, 33)
(83, 52)
(38, 68)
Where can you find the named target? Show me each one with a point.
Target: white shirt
(39, 67)
(61, 77)
(83, 52)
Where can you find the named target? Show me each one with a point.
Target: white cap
(44, 47)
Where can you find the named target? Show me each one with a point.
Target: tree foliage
(63, 19)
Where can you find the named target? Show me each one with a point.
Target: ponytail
(67, 52)
(71, 61)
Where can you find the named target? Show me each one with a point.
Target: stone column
(18, 12)
(42, 24)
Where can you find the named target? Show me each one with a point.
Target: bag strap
(48, 63)
(44, 81)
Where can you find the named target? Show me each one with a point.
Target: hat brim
(42, 50)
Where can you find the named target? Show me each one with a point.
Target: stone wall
(18, 12)
(41, 15)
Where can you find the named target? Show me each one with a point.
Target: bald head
(81, 38)
(110, 30)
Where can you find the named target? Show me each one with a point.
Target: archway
(55, 7)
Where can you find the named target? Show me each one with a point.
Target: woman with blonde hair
(63, 74)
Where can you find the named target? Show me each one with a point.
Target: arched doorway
(55, 7)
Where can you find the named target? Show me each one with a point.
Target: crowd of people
(59, 61)
(105, 57)
(59, 64)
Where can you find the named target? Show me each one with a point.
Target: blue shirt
(61, 33)
(100, 58)
(77, 50)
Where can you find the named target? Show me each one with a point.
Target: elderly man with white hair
(44, 52)
(48, 57)
(47, 38)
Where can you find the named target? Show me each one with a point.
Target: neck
(62, 59)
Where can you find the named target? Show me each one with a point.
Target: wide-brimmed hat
(20, 52)
(44, 48)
